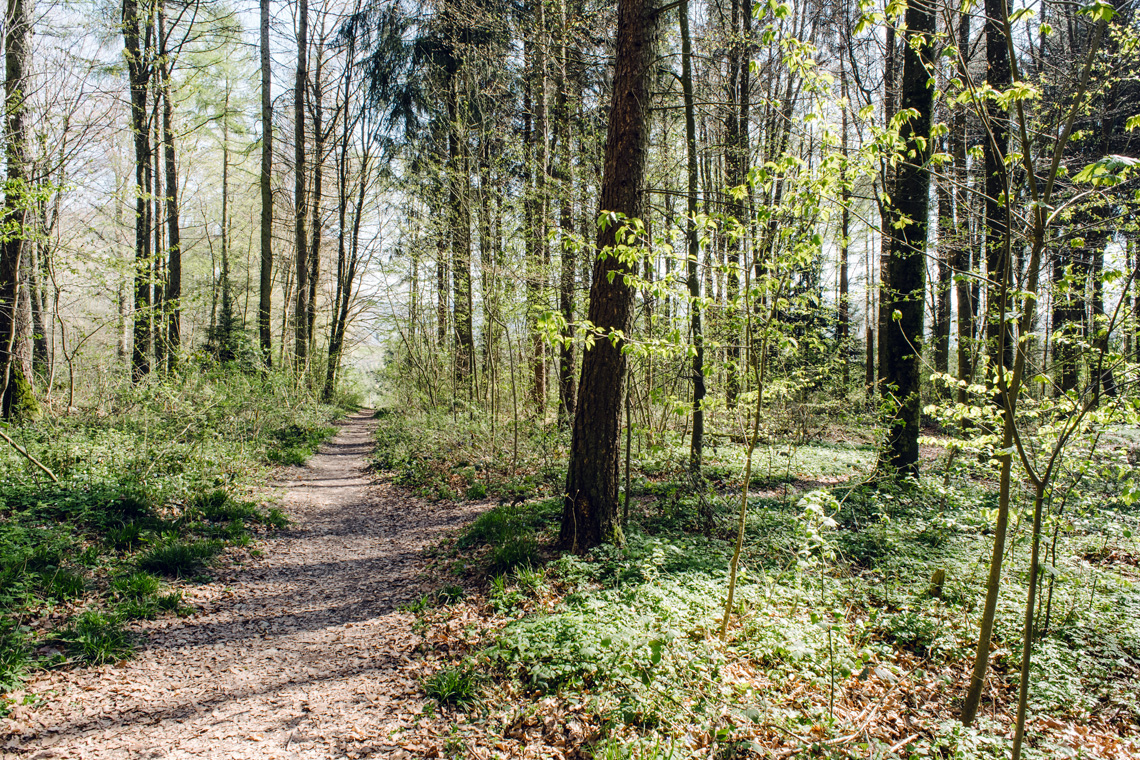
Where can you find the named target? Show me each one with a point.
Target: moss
(19, 399)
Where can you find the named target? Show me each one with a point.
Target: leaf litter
(301, 652)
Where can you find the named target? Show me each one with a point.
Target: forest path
(300, 653)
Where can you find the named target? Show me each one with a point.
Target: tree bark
(693, 248)
(994, 148)
(265, 280)
(590, 507)
(138, 72)
(906, 273)
(18, 397)
(173, 228)
(300, 203)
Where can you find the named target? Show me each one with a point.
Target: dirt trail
(300, 653)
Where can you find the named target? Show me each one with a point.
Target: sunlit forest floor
(154, 598)
(854, 626)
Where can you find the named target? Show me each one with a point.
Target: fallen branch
(29, 457)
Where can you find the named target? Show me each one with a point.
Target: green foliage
(294, 444)
(15, 655)
(179, 559)
(510, 533)
(96, 638)
(147, 485)
(457, 686)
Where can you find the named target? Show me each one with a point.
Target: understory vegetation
(129, 501)
(855, 615)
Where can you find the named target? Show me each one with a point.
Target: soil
(301, 652)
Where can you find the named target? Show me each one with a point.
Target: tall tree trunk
(962, 248)
(265, 281)
(907, 267)
(138, 71)
(18, 399)
(173, 228)
(589, 514)
(568, 253)
(734, 176)
(300, 203)
(994, 148)
(945, 276)
(315, 222)
(693, 248)
(346, 244)
(459, 214)
(886, 178)
(843, 328)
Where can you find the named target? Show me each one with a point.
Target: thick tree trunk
(18, 397)
(265, 280)
(907, 268)
(588, 517)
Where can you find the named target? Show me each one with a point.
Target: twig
(29, 457)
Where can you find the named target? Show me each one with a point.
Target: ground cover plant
(147, 493)
(853, 622)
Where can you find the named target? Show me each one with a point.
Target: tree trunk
(693, 248)
(843, 326)
(887, 179)
(316, 224)
(265, 281)
(173, 228)
(906, 267)
(734, 176)
(138, 71)
(18, 399)
(459, 213)
(994, 148)
(961, 245)
(588, 517)
(300, 203)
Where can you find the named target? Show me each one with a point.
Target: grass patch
(179, 559)
(96, 638)
(458, 686)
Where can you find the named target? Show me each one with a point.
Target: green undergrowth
(463, 456)
(443, 456)
(150, 494)
(849, 594)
